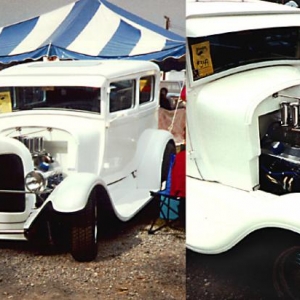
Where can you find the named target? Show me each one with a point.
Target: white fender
(151, 147)
(10, 145)
(219, 216)
(72, 193)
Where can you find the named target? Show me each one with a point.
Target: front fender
(72, 193)
(219, 216)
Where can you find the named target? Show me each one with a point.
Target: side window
(146, 89)
(122, 95)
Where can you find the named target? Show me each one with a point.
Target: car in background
(173, 88)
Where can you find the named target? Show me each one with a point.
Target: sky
(156, 11)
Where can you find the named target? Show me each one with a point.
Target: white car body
(242, 161)
(112, 146)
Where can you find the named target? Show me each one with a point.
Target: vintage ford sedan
(79, 142)
(243, 128)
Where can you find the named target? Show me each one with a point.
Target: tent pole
(48, 51)
(167, 28)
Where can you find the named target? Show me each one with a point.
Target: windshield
(220, 52)
(57, 97)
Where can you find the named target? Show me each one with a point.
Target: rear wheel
(84, 232)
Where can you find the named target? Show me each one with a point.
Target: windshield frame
(74, 98)
(255, 60)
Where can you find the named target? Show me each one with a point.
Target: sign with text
(5, 102)
(202, 63)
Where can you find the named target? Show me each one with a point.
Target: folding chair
(171, 206)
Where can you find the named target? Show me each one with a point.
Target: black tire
(169, 150)
(84, 232)
(286, 274)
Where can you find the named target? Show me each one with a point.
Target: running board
(12, 234)
(11, 231)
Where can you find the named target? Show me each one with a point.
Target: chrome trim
(284, 110)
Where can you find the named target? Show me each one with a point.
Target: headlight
(35, 182)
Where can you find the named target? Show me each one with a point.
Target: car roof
(85, 72)
(106, 68)
(213, 17)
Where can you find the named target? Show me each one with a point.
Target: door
(121, 131)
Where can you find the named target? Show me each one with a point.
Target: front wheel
(84, 232)
(286, 274)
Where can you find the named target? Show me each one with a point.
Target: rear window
(147, 89)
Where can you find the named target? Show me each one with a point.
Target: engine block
(280, 148)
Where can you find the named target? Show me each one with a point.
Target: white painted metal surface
(236, 16)
(228, 114)
(121, 151)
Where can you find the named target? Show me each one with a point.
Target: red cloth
(183, 94)
(178, 175)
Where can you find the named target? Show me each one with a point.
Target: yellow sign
(143, 83)
(5, 102)
(202, 63)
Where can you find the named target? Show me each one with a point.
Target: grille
(11, 178)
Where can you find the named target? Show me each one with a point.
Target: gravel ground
(131, 264)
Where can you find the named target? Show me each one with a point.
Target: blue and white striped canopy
(88, 29)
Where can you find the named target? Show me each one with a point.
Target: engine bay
(279, 162)
(45, 165)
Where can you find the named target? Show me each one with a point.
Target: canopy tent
(89, 29)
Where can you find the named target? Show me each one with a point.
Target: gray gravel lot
(131, 264)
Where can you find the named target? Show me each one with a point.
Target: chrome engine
(280, 158)
(45, 166)
(34, 144)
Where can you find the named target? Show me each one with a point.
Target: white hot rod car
(243, 125)
(79, 141)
